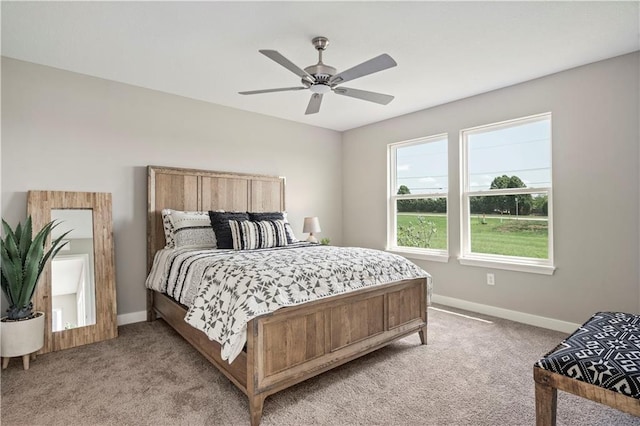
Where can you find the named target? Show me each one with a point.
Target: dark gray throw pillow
(220, 225)
(257, 217)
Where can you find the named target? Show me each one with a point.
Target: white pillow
(187, 229)
(193, 229)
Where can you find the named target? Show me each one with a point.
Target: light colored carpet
(470, 373)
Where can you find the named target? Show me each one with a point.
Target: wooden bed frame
(293, 343)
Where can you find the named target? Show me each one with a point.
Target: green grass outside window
(508, 236)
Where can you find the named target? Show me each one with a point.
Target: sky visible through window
(522, 150)
(423, 167)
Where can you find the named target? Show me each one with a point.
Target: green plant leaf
(53, 250)
(54, 245)
(11, 244)
(23, 235)
(8, 232)
(5, 286)
(11, 276)
(12, 271)
(31, 267)
(23, 260)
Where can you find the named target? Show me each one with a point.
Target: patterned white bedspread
(225, 289)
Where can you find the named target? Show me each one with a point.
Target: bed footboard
(295, 344)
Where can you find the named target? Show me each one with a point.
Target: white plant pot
(20, 338)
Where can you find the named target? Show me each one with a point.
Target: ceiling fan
(321, 78)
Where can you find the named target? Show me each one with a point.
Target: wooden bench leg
(423, 335)
(256, 403)
(5, 362)
(546, 404)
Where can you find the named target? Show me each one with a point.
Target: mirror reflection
(73, 302)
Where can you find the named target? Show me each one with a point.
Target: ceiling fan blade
(378, 98)
(376, 64)
(283, 89)
(314, 104)
(277, 57)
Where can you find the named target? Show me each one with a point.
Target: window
(506, 195)
(418, 187)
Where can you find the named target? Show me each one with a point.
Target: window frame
(515, 263)
(438, 255)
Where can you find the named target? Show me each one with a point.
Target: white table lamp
(311, 225)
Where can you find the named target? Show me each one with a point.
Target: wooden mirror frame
(39, 206)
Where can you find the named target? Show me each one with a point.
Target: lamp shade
(311, 225)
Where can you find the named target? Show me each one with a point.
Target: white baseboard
(538, 321)
(132, 317)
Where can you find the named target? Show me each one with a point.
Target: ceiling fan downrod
(320, 71)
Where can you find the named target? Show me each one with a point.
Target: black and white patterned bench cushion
(604, 351)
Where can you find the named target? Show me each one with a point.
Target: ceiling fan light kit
(321, 78)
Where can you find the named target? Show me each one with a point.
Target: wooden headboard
(202, 190)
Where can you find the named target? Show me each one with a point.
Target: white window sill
(420, 254)
(509, 265)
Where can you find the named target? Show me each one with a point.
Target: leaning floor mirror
(77, 292)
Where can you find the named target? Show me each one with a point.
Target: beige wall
(66, 131)
(595, 161)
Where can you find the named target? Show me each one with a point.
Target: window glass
(422, 223)
(515, 231)
(520, 152)
(421, 168)
(507, 190)
(418, 199)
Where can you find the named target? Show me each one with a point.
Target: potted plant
(23, 260)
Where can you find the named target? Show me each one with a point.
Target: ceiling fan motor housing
(322, 73)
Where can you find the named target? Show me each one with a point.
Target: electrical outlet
(491, 279)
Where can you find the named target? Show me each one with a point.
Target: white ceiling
(209, 50)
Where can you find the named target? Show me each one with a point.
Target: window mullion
(509, 191)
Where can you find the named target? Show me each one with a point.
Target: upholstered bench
(600, 361)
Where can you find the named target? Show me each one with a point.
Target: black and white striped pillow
(257, 216)
(248, 235)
